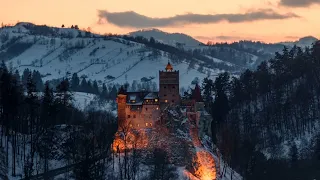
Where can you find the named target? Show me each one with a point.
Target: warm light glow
(157, 108)
(139, 141)
(156, 100)
(146, 124)
(166, 101)
(206, 168)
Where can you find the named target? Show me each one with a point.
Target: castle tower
(169, 86)
(122, 103)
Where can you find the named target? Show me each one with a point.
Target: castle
(142, 109)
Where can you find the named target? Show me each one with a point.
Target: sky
(205, 20)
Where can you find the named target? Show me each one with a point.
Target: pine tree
(84, 85)
(104, 94)
(75, 82)
(95, 87)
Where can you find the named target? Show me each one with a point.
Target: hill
(302, 42)
(174, 39)
(60, 52)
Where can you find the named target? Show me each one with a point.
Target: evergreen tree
(104, 94)
(84, 85)
(95, 88)
(113, 93)
(75, 81)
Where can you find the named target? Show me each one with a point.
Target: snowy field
(107, 61)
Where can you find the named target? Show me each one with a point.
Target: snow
(115, 60)
(168, 38)
(82, 100)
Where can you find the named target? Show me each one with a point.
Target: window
(146, 124)
(150, 124)
(173, 87)
(128, 116)
(138, 125)
(134, 116)
(156, 100)
(165, 87)
(130, 125)
(157, 108)
(173, 101)
(165, 95)
(166, 101)
(146, 109)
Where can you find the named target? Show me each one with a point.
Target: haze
(228, 20)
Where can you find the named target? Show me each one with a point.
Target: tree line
(261, 109)
(38, 127)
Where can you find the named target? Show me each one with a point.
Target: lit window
(147, 100)
(146, 124)
(138, 125)
(156, 100)
(166, 101)
(157, 108)
(150, 124)
(130, 125)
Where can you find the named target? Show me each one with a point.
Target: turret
(169, 86)
(121, 102)
(196, 94)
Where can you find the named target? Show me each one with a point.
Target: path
(207, 167)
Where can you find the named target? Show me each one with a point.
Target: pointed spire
(122, 91)
(169, 67)
(196, 94)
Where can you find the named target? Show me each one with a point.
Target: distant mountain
(302, 42)
(168, 38)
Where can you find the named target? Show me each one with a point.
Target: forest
(255, 114)
(38, 128)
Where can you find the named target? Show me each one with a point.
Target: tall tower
(169, 86)
(122, 103)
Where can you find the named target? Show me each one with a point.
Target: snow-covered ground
(114, 60)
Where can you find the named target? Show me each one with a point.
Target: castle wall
(142, 117)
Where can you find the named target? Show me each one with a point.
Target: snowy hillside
(302, 42)
(168, 38)
(60, 52)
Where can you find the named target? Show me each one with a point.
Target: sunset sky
(227, 20)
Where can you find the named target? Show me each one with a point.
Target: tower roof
(196, 94)
(169, 67)
(122, 91)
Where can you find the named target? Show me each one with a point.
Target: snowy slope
(302, 42)
(168, 38)
(112, 60)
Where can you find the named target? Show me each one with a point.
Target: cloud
(298, 3)
(133, 19)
